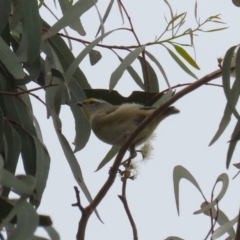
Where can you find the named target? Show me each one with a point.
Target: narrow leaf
(180, 172)
(27, 222)
(110, 155)
(159, 67)
(75, 11)
(226, 74)
(117, 74)
(10, 60)
(149, 76)
(235, 92)
(105, 15)
(74, 65)
(134, 75)
(225, 182)
(186, 56)
(181, 64)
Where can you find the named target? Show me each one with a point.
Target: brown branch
(27, 91)
(114, 169)
(238, 228)
(78, 203)
(126, 207)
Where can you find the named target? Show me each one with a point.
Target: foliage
(33, 51)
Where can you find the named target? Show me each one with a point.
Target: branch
(114, 169)
(125, 203)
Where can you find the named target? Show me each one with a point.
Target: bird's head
(92, 105)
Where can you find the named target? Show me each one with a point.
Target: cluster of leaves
(32, 51)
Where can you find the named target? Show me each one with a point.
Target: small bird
(113, 124)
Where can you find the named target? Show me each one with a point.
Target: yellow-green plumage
(114, 124)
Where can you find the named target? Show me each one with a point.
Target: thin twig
(123, 198)
(28, 91)
(211, 229)
(78, 203)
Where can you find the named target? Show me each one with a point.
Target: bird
(113, 124)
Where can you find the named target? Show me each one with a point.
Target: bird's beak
(80, 104)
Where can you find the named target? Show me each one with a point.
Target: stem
(126, 207)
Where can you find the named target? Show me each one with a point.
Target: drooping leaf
(226, 74)
(186, 56)
(105, 15)
(12, 151)
(235, 92)
(109, 156)
(5, 9)
(74, 65)
(118, 72)
(75, 24)
(42, 170)
(27, 222)
(10, 60)
(233, 143)
(66, 57)
(149, 76)
(224, 228)
(32, 27)
(82, 126)
(134, 75)
(159, 67)
(73, 163)
(181, 64)
(180, 172)
(71, 14)
(225, 181)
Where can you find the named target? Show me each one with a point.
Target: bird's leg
(133, 154)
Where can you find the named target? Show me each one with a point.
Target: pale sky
(180, 140)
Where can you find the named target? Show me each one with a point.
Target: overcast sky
(180, 140)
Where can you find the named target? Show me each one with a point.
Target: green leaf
(10, 60)
(12, 211)
(42, 170)
(53, 234)
(94, 56)
(17, 184)
(110, 155)
(32, 28)
(225, 181)
(12, 151)
(226, 74)
(224, 228)
(74, 65)
(180, 172)
(215, 29)
(66, 57)
(159, 67)
(235, 92)
(181, 64)
(75, 24)
(71, 14)
(105, 15)
(82, 126)
(5, 9)
(173, 238)
(73, 163)
(118, 72)
(233, 143)
(186, 56)
(151, 85)
(134, 75)
(27, 222)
